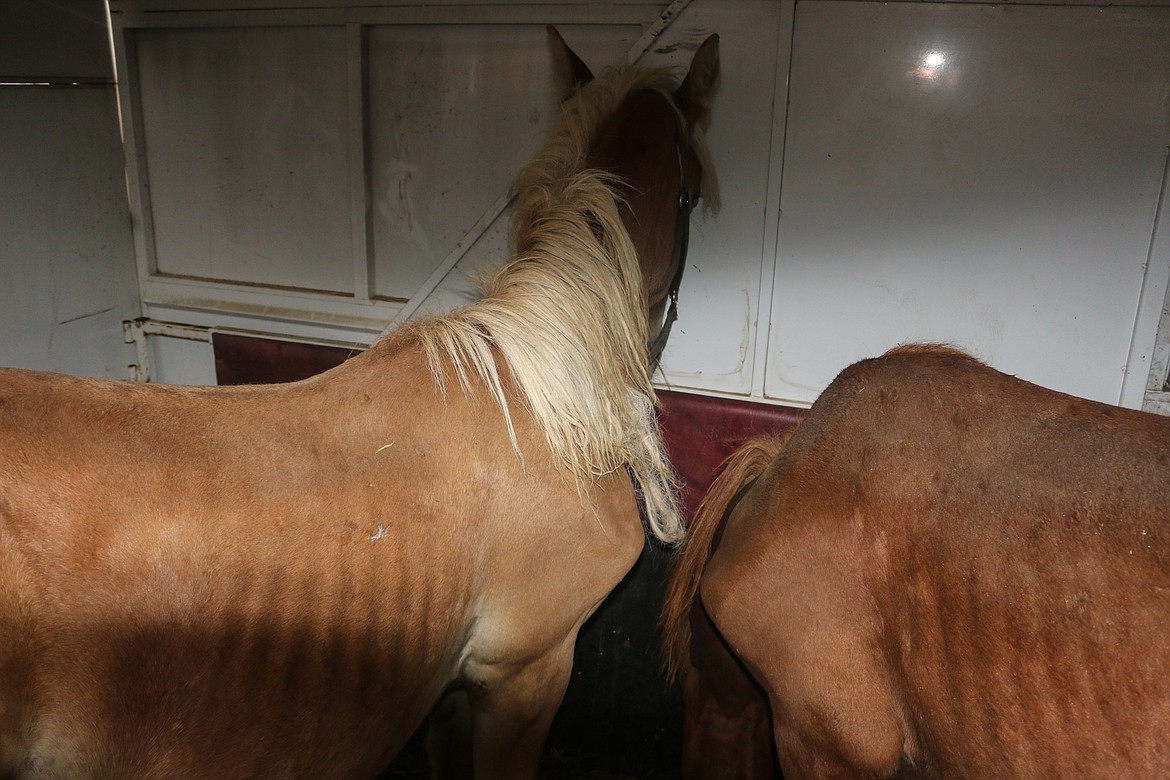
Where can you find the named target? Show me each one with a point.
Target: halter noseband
(682, 232)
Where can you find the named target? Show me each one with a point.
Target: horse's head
(654, 144)
(595, 223)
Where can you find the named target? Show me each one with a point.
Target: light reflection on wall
(936, 66)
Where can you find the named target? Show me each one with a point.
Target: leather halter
(682, 232)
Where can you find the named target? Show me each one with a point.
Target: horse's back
(951, 571)
(182, 570)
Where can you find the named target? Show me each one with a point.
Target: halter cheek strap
(682, 232)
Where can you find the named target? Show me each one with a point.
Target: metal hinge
(136, 332)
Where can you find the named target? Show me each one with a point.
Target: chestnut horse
(945, 572)
(283, 581)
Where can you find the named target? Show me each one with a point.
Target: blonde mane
(566, 314)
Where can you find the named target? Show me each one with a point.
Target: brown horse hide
(949, 572)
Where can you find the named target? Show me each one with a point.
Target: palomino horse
(947, 572)
(285, 580)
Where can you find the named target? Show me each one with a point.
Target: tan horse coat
(282, 581)
(290, 577)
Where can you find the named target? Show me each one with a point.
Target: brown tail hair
(740, 469)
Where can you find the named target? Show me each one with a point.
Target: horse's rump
(956, 571)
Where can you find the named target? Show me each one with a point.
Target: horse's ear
(572, 72)
(698, 89)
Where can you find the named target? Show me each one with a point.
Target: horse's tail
(738, 471)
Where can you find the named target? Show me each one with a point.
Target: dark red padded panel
(245, 360)
(701, 431)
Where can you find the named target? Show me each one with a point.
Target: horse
(289, 580)
(946, 571)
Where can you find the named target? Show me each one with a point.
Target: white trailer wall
(985, 175)
(988, 176)
(67, 277)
